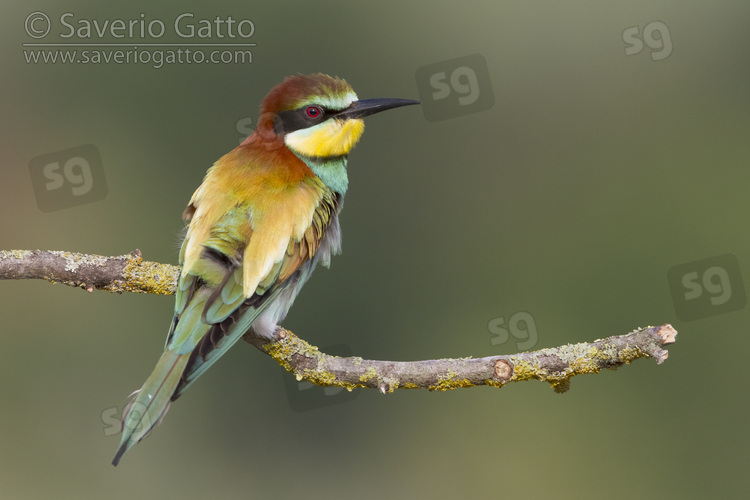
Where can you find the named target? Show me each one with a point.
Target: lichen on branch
(556, 366)
(124, 273)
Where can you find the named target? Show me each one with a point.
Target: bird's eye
(313, 111)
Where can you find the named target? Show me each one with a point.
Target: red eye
(313, 111)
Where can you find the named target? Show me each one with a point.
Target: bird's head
(319, 116)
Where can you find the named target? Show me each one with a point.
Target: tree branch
(556, 366)
(124, 273)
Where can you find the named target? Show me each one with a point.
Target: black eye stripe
(296, 119)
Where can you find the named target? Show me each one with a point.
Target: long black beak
(367, 107)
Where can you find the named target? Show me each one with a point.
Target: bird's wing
(242, 269)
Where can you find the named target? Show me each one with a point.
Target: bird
(265, 215)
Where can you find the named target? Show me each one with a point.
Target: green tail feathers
(152, 401)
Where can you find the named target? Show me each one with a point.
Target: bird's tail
(152, 401)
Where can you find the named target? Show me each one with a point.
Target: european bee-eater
(265, 215)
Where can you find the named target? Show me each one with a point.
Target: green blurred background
(592, 175)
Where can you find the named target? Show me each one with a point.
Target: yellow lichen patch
(290, 345)
(606, 353)
(522, 370)
(560, 384)
(325, 378)
(581, 359)
(631, 353)
(283, 349)
(409, 385)
(448, 382)
(320, 377)
(583, 365)
(369, 374)
(495, 383)
(150, 277)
